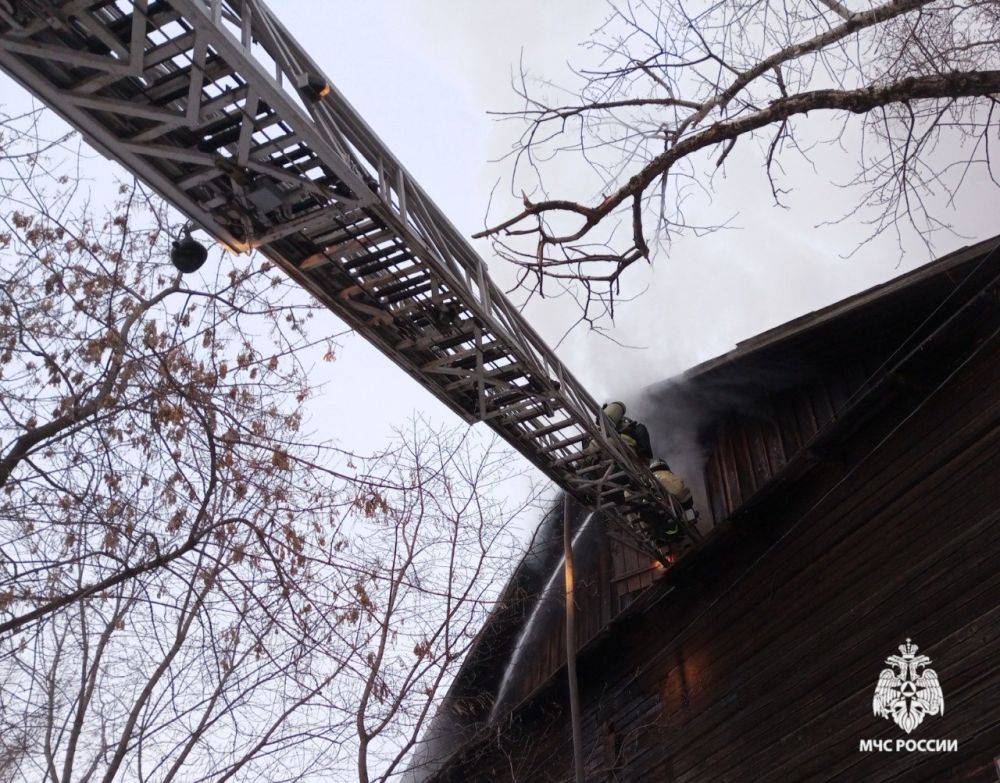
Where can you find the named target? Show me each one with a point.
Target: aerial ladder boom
(216, 106)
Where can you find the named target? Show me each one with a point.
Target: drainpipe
(574, 692)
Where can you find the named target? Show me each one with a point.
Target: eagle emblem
(907, 691)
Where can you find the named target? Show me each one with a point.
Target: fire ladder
(214, 105)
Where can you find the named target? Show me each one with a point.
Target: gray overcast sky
(425, 72)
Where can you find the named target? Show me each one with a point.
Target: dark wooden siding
(761, 665)
(610, 573)
(747, 450)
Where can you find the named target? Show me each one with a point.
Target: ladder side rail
(365, 139)
(582, 405)
(334, 132)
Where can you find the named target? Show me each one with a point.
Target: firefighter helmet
(615, 411)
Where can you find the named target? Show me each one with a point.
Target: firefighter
(665, 529)
(672, 483)
(633, 433)
(634, 436)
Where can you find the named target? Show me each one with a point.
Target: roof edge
(815, 318)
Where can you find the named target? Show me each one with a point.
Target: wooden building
(848, 469)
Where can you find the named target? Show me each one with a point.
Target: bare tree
(444, 551)
(676, 87)
(192, 587)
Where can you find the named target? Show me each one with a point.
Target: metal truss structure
(214, 105)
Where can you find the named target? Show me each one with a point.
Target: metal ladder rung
(449, 338)
(356, 262)
(568, 460)
(160, 53)
(328, 257)
(442, 308)
(388, 263)
(599, 469)
(467, 357)
(226, 121)
(490, 353)
(363, 244)
(394, 265)
(295, 160)
(210, 109)
(408, 294)
(403, 285)
(158, 14)
(164, 90)
(562, 444)
(504, 397)
(214, 141)
(415, 312)
(452, 341)
(527, 415)
(346, 233)
(277, 149)
(446, 337)
(548, 430)
(504, 374)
